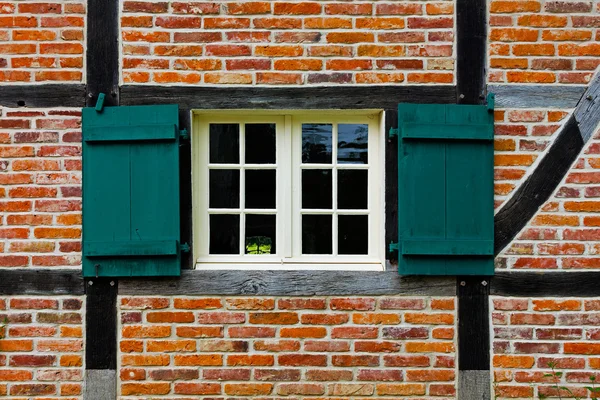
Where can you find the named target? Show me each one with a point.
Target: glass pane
(260, 143)
(316, 188)
(352, 143)
(260, 188)
(260, 234)
(353, 234)
(224, 234)
(224, 188)
(316, 143)
(352, 189)
(224, 143)
(316, 234)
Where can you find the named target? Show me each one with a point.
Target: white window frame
(288, 160)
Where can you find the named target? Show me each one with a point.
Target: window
(288, 190)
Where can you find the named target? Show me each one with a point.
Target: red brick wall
(522, 137)
(287, 43)
(565, 233)
(528, 334)
(40, 188)
(41, 41)
(41, 347)
(543, 41)
(317, 346)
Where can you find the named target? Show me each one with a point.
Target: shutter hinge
(183, 134)
(100, 102)
(393, 132)
(185, 248)
(491, 101)
(393, 247)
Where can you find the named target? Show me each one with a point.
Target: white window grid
(288, 166)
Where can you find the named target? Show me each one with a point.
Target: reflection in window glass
(353, 143)
(316, 234)
(224, 143)
(260, 188)
(260, 234)
(316, 188)
(260, 143)
(352, 189)
(353, 234)
(316, 143)
(224, 234)
(224, 188)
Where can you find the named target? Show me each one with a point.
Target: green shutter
(445, 189)
(131, 191)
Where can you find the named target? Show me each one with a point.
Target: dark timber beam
(27, 282)
(473, 292)
(557, 161)
(102, 51)
(316, 98)
(102, 65)
(546, 284)
(53, 95)
(289, 283)
(471, 51)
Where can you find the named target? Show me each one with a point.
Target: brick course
(528, 334)
(544, 41)
(318, 346)
(41, 42)
(287, 43)
(41, 347)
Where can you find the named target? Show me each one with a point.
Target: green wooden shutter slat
(131, 248)
(446, 131)
(141, 132)
(131, 222)
(445, 190)
(447, 247)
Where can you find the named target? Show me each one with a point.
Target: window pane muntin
(374, 118)
(336, 166)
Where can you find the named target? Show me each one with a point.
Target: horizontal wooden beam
(355, 97)
(553, 284)
(536, 96)
(54, 95)
(26, 282)
(289, 283)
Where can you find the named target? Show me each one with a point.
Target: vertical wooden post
(102, 65)
(473, 292)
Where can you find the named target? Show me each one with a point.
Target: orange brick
(401, 389)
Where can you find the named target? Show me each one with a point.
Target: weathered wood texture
(474, 385)
(471, 40)
(101, 324)
(538, 187)
(385, 97)
(540, 284)
(41, 282)
(391, 186)
(473, 323)
(536, 96)
(100, 384)
(587, 112)
(185, 188)
(102, 51)
(289, 283)
(53, 95)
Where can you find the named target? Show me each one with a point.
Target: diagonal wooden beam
(540, 185)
